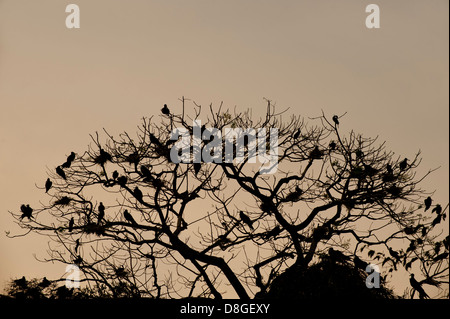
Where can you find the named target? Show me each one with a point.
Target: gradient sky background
(130, 57)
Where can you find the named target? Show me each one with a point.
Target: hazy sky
(58, 85)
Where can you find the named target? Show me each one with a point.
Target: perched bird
(297, 134)
(103, 157)
(154, 140)
(394, 254)
(101, 212)
(246, 219)
(71, 222)
(272, 233)
(165, 110)
(389, 169)
(71, 157)
(403, 164)
(60, 172)
(122, 181)
(115, 174)
(128, 217)
(69, 160)
(27, 211)
(48, 185)
(77, 244)
(417, 287)
(44, 283)
(22, 282)
(336, 119)
(197, 167)
(360, 264)
(315, 153)
(427, 202)
(437, 209)
(337, 256)
(394, 190)
(436, 221)
(138, 194)
(332, 145)
(146, 173)
(441, 257)
(369, 170)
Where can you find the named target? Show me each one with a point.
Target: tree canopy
(129, 216)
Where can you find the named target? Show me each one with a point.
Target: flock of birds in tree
(316, 153)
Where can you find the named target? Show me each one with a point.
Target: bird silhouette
(22, 282)
(71, 157)
(315, 153)
(428, 202)
(436, 221)
(44, 283)
(101, 212)
(337, 256)
(71, 222)
(122, 181)
(332, 145)
(146, 173)
(246, 219)
(437, 209)
(128, 217)
(48, 185)
(27, 211)
(403, 164)
(389, 169)
(360, 264)
(69, 160)
(272, 233)
(336, 119)
(103, 157)
(394, 254)
(77, 244)
(154, 140)
(441, 257)
(138, 194)
(297, 134)
(417, 287)
(197, 167)
(60, 172)
(165, 110)
(115, 174)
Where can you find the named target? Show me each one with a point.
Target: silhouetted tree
(179, 229)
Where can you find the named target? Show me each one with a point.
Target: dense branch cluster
(134, 221)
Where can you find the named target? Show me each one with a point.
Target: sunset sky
(58, 85)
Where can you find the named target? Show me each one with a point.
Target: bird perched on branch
(71, 222)
(128, 217)
(403, 164)
(336, 119)
(69, 161)
(138, 194)
(315, 153)
(101, 212)
(60, 172)
(27, 211)
(437, 209)
(428, 201)
(246, 219)
(332, 145)
(297, 134)
(122, 181)
(165, 110)
(337, 256)
(418, 287)
(22, 282)
(48, 185)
